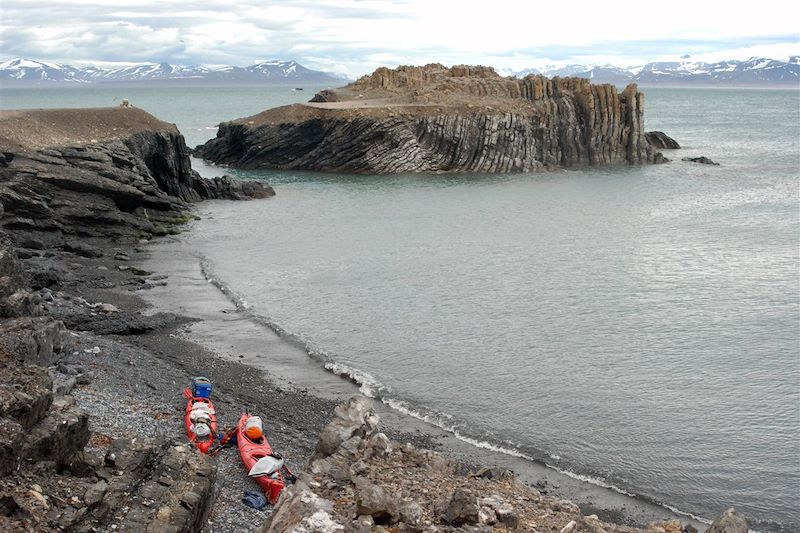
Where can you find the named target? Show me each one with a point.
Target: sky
(355, 37)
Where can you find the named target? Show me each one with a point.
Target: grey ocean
(638, 327)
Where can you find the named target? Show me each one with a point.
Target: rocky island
(439, 119)
(90, 397)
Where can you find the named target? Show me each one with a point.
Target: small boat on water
(200, 416)
(262, 464)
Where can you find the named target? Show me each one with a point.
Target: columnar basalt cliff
(99, 172)
(433, 118)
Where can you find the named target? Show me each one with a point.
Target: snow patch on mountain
(277, 71)
(754, 71)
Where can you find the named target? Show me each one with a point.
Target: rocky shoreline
(91, 404)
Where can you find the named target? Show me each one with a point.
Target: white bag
(266, 466)
(201, 430)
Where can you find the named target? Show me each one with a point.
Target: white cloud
(356, 37)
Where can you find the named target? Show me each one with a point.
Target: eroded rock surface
(100, 172)
(433, 118)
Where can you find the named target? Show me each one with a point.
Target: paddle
(226, 441)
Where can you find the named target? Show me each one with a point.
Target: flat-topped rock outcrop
(100, 172)
(434, 118)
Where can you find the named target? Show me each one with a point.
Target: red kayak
(204, 442)
(262, 464)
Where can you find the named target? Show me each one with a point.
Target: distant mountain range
(29, 72)
(756, 71)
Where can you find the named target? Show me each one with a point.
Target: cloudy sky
(354, 37)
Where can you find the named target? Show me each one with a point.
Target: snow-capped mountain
(28, 72)
(37, 71)
(755, 71)
(596, 73)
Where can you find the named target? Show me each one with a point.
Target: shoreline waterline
(225, 325)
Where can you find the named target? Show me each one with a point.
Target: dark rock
(62, 433)
(139, 271)
(37, 340)
(49, 277)
(63, 385)
(661, 141)
(22, 253)
(703, 160)
(11, 438)
(462, 508)
(81, 465)
(15, 299)
(33, 244)
(325, 95)
(228, 188)
(729, 522)
(94, 494)
(25, 394)
(141, 182)
(83, 250)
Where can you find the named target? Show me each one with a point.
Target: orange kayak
(262, 464)
(206, 442)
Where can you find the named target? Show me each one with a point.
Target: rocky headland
(434, 119)
(108, 172)
(91, 392)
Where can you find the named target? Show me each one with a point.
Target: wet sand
(234, 336)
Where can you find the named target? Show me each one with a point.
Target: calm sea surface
(636, 326)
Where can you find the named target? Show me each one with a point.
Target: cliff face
(424, 119)
(111, 172)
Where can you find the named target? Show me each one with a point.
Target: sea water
(637, 326)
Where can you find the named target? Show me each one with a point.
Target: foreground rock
(433, 118)
(49, 479)
(359, 481)
(729, 522)
(661, 141)
(99, 172)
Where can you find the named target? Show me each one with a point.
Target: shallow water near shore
(227, 327)
(636, 327)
